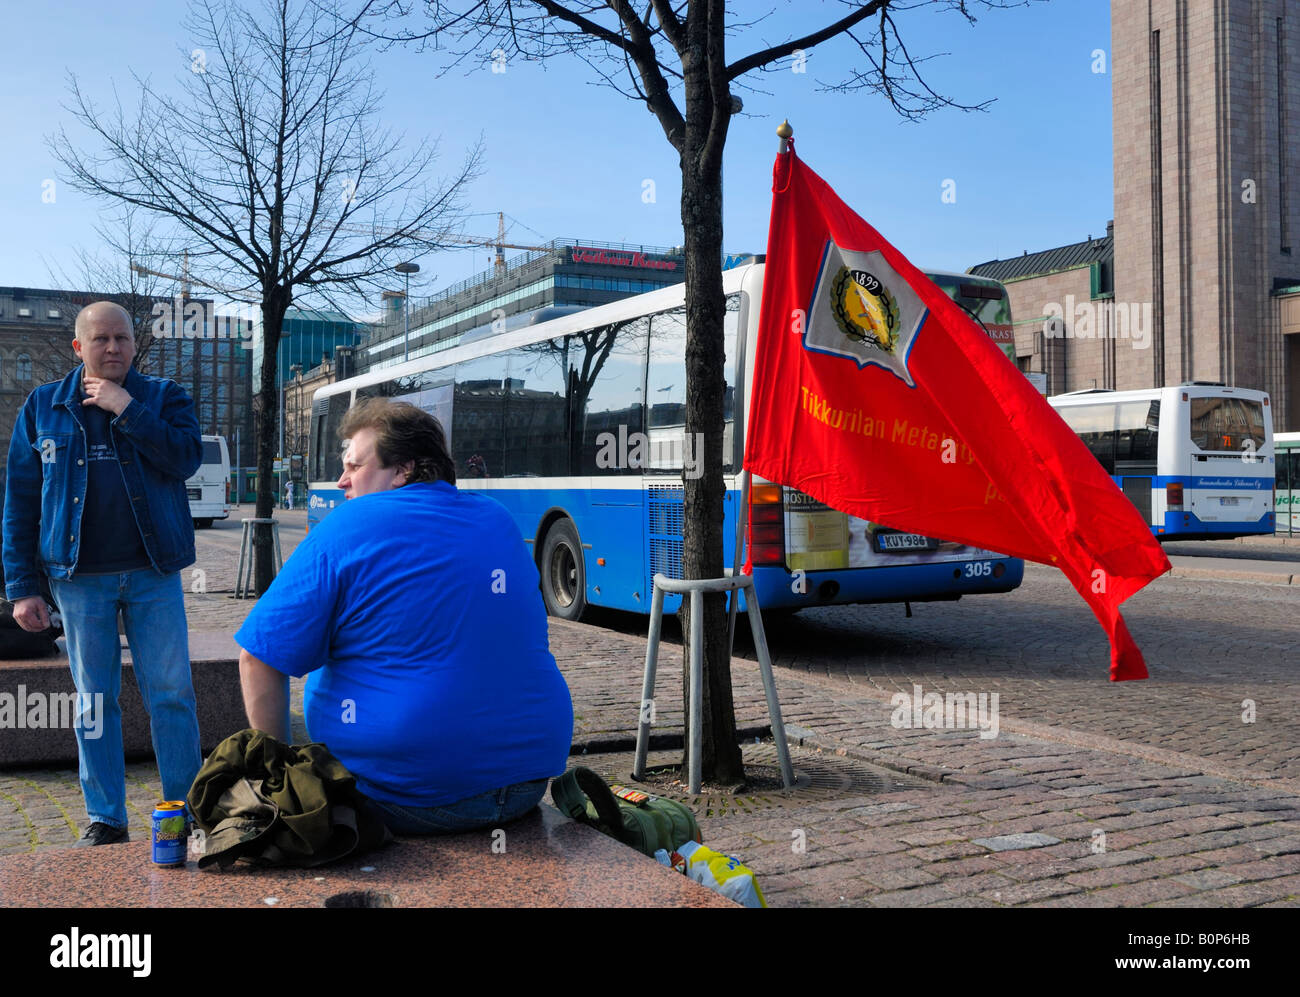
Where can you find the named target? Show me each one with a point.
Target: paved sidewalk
(1021, 818)
(1043, 814)
(1108, 823)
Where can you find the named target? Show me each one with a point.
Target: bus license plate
(1228, 500)
(891, 543)
(194, 494)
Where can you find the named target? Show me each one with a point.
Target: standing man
(95, 499)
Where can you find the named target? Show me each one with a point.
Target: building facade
(567, 273)
(35, 347)
(216, 372)
(1206, 240)
(298, 392)
(1063, 311)
(308, 338)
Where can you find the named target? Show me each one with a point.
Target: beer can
(170, 833)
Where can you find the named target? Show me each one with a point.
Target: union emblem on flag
(864, 311)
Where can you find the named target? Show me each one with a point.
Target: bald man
(95, 500)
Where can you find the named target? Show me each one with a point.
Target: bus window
(326, 447)
(607, 397)
(1137, 438)
(1095, 425)
(1226, 424)
(478, 417)
(666, 387)
(537, 417)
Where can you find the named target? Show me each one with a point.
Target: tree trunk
(705, 387)
(273, 309)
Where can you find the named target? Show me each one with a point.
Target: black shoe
(100, 833)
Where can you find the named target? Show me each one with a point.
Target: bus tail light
(766, 525)
(1174, 496)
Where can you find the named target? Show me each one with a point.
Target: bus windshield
(1227, 424)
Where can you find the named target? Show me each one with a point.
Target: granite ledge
(214, 664)
(548, 861)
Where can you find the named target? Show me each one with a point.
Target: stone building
(1062, 309)
(1206, 238)
(35, 347)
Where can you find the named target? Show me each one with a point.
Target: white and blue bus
(576, 426)
(1195, 459)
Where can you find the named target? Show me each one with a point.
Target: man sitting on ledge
(416, 609)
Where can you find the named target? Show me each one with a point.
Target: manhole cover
(818, 776)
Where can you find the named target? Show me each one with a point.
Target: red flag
(876, 394)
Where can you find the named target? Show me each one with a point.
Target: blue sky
(567, 157)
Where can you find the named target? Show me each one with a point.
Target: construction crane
(186, 280)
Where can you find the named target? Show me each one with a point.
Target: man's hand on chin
(108, 395)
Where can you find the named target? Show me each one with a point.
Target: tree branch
(642, 50)
(763, 57)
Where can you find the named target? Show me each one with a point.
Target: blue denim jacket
(158, 446)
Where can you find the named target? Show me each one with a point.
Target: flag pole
(784, 133)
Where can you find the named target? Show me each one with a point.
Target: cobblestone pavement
(1216, 651)
(1210, 646)
(1091, 794)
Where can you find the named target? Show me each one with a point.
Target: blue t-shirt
(110, 538)
(418, 614)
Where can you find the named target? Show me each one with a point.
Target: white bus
(1286, 492)
(1196, 459)
(576, 426)
(209, 488)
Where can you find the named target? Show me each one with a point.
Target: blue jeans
(153, 615)
(490, 809)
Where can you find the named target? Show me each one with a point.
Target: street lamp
(406, 269)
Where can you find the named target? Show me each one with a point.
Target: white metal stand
(244, 579)
(697, 588)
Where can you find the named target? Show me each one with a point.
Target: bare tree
(272, 172)
(672, 57)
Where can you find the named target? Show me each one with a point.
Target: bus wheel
(202, 524)
(564, 577)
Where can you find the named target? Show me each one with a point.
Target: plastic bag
(721, 873)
